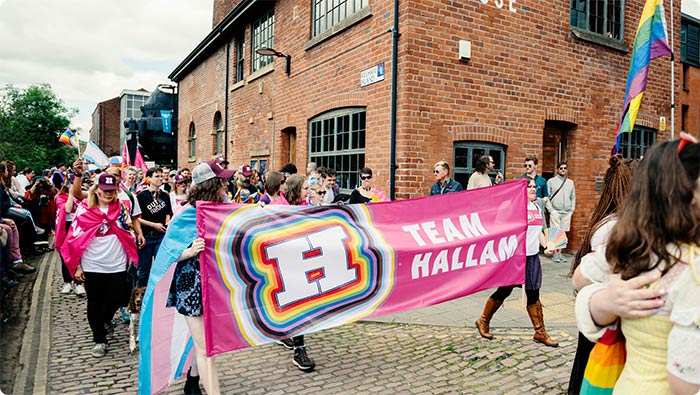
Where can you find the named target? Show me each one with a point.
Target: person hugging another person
(654, 292)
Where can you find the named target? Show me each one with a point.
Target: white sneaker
(39, 231)
(66, 288)
(99, 350)
(80, 290)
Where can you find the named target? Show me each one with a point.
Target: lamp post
(271, 52)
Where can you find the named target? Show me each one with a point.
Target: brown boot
(482, 324)
(541, 336)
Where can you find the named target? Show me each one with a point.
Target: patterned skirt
(186, 288)
(533, 272)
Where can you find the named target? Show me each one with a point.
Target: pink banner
(277, 271)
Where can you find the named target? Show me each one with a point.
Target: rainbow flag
(69, 138)
(605, 363)
(650, 43)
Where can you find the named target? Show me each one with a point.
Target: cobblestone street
(365, 357)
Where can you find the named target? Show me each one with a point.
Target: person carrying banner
(297, 193)
(654, 255)
(533, 275)
(96, 252)
(366, 193)
(209, 183)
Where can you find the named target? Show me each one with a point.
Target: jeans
(146, 255)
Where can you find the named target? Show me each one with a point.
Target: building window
(328, 13)
(192, 139)
(603, 17)
(263, 37)
(634, 145)
(684, 117)
(219, 134)
(466, 154)
(690, 42)
(239, 57)
(684, 80)
(337, 141)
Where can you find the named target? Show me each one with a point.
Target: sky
(90, 50)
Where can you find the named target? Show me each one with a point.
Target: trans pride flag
(274, 272)
(650, 43)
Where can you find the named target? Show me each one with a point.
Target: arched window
(192, 139)
(219, 134)
(466, 153)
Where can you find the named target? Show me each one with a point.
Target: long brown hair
(616, 183)
(207, 190)
(659, 210)
(294, 184)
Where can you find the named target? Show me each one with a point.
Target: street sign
(372, 75)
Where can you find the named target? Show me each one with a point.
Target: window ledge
(265, 70)
(342, 26)
(191, 160)
(585, 35)
(237, 85)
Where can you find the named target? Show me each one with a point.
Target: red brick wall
(105, 128)
(526, 69)
(690, 96)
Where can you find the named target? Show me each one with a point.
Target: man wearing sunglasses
(443, 183)
(562, 203)
(531, 171)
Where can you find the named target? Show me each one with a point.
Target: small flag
(94, 154)
(125, 156)
(650, 43)
(139, 162)
(69, 138)
(166, 117)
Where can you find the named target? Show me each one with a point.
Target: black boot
(192, 385)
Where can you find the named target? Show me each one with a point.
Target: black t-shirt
(155, 206)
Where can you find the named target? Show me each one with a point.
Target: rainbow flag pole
(651, 42)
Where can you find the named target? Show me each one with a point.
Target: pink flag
(125, 155)
(139, 162)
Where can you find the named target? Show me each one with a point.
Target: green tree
(31, 121)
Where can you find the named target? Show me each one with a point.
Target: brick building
(105, 126)
(689, 98)
(504, 77)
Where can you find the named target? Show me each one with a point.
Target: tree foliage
(31, 121)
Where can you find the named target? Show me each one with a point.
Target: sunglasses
(563, 168)
(527, 166)
(366, 177)
(436, 171)
(321, 193)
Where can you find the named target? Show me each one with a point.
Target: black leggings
(105, 293)
(533, 295)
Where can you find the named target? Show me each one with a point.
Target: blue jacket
(449, 186)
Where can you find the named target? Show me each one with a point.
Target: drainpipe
(394, 71)
(228, 70)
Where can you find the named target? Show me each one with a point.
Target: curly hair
(616, 183)
(294, 184)
(660, 209)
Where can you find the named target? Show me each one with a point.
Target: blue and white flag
(166, 116)
(94, 154)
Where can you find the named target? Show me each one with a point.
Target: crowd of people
(637, 266)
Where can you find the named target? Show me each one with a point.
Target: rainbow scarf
(84, 228)
(650, 43)
(605, 363)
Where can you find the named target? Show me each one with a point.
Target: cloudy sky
(89, 51)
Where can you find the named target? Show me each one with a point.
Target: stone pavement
(434, 350)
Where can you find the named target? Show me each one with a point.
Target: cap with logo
(107, 182)
(246, 170)
(210, 169)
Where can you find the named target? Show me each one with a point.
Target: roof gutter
(211, 42)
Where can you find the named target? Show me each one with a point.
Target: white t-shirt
(23, 183)
(104, 254)
(135, 208)
(534, 228)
